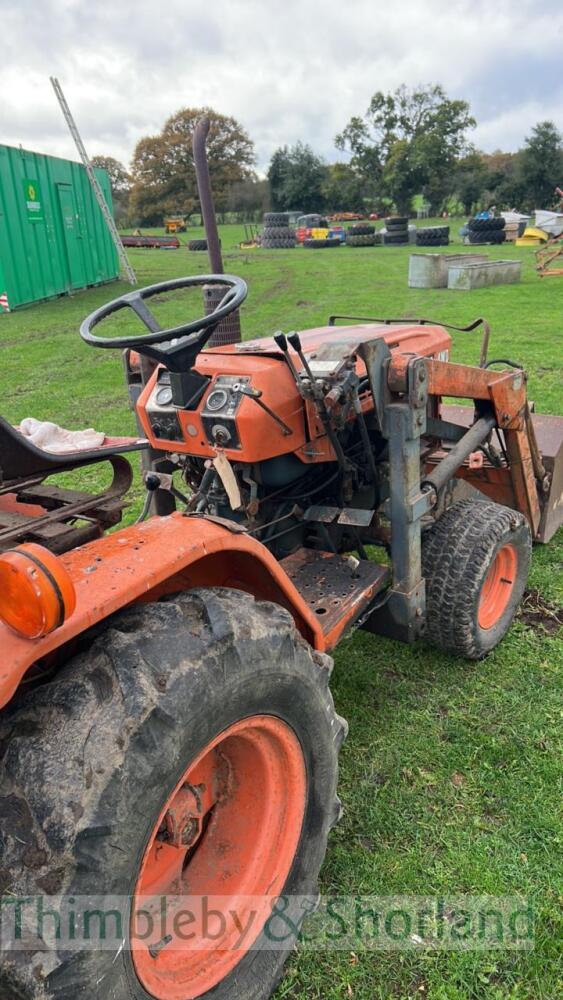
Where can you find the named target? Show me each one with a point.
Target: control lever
(255, 394)
(281, 341)
(163, 481)
(318, 398)
(295, 341)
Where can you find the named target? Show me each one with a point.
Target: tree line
(410, 142)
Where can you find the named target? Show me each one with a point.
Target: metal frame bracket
(402, 418)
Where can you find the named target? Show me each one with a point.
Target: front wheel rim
(498, 587)
(228, 834)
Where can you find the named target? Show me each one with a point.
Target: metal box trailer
(53, 238)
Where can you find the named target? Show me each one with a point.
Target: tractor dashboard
(162, 415)
(227, 411)
(244, 399)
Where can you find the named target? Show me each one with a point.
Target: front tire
(475, 560)
(94, 763)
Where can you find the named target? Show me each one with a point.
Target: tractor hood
(410, 338)
(250, 434)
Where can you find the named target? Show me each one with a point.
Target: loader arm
(505, 392)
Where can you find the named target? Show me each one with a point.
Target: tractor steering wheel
(180, 345)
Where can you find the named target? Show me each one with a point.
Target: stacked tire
(197, 245)
(397, 230)
(360, 236)
(486, 230)
(331, 241)
(276, 234)
(433, 236)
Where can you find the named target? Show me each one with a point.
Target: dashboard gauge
(164, 396)
(216, 400)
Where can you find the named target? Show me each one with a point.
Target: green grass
(418, 719)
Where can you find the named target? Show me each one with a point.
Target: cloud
(288, 71)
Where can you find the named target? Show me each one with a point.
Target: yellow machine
(175, 225)
(532, 237)
(250, 241)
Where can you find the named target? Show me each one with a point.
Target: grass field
(451, 775)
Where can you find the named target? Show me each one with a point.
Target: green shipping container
(53, 238)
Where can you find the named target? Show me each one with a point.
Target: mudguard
(144, 562)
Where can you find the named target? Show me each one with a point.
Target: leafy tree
(408, 142)
(470, 181)
(163, 169)
(118, 175)
(297, 179)
(503, 186)
(120, 181)
(249, 199)
(541, 167)
(344, 189)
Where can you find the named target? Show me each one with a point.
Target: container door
(72, 236)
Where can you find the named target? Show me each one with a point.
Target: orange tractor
(167, 729)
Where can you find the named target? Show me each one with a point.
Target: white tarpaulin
(514, 217)
(550, 222)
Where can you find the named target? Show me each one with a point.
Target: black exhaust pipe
(228, 331)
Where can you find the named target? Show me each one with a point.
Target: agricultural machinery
(167, 730)
(167, 724)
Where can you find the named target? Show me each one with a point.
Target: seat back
(20, 459)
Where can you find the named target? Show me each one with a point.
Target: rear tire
(278, 233)
(395, 239)
(91, 760)
(270, 244)
(475, 560)
(361, 230)
(276, 218)
(486, 225)
(320, 244)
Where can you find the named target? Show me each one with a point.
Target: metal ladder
(99, 195)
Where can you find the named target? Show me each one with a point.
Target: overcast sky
(288, 70)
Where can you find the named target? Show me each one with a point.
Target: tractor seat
(19, 459)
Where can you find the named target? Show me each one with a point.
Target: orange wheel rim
(498, 586)
(227, 835)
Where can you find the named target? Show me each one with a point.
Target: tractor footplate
(337, 588)
(351, 516)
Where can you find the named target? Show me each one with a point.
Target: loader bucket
(549, 435)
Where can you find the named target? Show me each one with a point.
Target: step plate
(335, 592)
